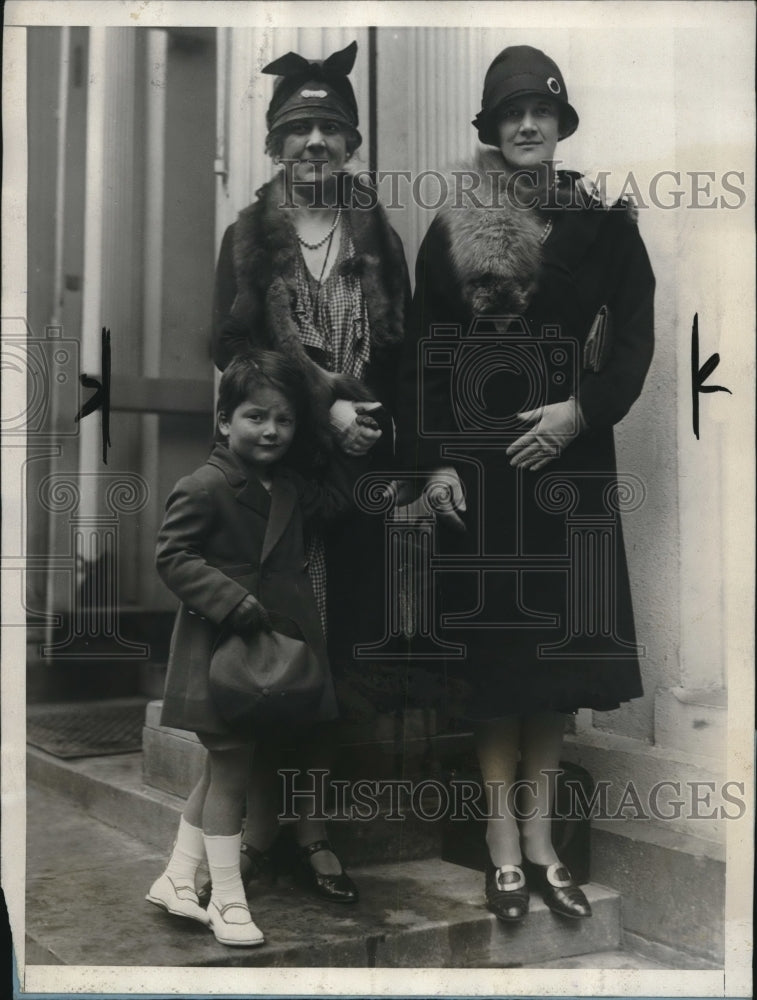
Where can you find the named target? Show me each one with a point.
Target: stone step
(630, 857)
(421, 913)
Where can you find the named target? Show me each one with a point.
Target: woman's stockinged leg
(317, 753)
(318, 867)
(541, 745)
(263, 791)
(497, 744)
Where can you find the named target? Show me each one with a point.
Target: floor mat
(87, 728)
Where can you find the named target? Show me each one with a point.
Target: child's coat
(225, 536)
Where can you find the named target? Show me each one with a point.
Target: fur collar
(265, 256)
(495, 249)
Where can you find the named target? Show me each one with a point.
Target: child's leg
(222, 820)
(175, 891)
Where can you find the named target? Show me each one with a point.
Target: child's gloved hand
(249, 616)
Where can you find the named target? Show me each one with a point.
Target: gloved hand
(554, 427)
(446, 495)
(354, 427)
(249, 616)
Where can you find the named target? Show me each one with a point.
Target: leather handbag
(599, 342)
(266, 678)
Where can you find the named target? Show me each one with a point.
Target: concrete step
(85, 906)
(692, 720)
(111, 790)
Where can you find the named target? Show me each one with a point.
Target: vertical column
(429, 82)
(89, 431)
(152, 300)
(111, 267)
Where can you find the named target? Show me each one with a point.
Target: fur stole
(495, 249)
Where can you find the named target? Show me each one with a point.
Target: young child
(231, 548)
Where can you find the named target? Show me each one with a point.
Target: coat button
(265, 691)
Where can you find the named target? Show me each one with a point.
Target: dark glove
(249, 616)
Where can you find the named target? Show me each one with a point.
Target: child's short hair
(256, 369)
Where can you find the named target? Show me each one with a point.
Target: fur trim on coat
(495, 249)
(265, 258)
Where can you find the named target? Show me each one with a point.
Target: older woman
(551, 293)
(307, 271)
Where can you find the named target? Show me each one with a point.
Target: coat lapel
(249, 492)
(283, 499)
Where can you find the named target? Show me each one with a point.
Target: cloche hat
(519, 70)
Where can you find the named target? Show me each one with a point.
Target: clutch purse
(599, 342)
(266, 678)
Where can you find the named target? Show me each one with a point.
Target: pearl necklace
(545, 232)
(329, 234)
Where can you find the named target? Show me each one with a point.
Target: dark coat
(225, 536)
(255, 287)
(487, 262)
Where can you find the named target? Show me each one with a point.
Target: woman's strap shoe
(559, 891)
(336, 888)
(180, 900)
(233, 925)
(507, 893)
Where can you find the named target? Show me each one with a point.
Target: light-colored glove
(447, 496)
(249, 616)
(354, 428)
(554, 427)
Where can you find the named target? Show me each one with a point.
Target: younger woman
(554, 292)
(231, 548)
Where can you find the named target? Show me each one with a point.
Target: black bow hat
(313, 89)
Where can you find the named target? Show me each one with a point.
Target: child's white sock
(226, 881)
(187, 854)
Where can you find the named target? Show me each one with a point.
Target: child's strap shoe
(233, 925)
(180, 900)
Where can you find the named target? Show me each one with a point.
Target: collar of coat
(495, 245)
(276, 507)
(265, 256)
